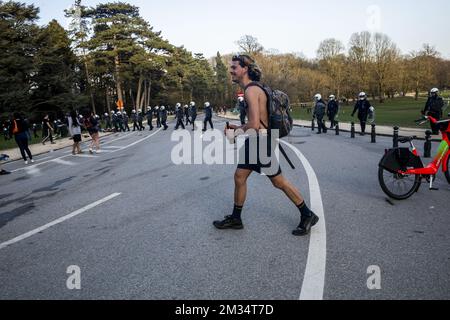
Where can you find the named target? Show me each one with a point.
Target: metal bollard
(395, 138)
(352, 131)
(427, 147)
(373, 134)
(337, 128)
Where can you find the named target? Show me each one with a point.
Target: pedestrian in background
(363, 108)
(19, 129)
(332, 110)
(75, 132)
(47, 130)
(319, 113)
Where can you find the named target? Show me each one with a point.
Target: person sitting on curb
(3, 157)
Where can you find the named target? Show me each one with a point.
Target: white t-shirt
(73, 129)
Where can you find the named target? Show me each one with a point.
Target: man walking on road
(242, 110)
(319, 113)
(362, 106)
(149, 115)
(193, 113)
(163, 117)
(247, 74)
(332, 110)
(180, 116)
(19, 129)
(47, 130)
(208, 117)
(434, 107)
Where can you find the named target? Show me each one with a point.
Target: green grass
(11, 144)
(399, 111)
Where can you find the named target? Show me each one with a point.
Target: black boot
(229, 223)
(305, 225)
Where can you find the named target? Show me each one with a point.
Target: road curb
(345, 130)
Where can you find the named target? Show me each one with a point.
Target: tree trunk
(144, 94)
(88, 82)
(149, 91)
(139, 92)
(132, 99)
(380, 88)
(118, 84)
(417, 91)
(108, 103)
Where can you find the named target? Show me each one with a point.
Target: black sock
(304, 210)
(237, 211)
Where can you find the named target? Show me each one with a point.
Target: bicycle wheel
(447, 173)
(398, 186)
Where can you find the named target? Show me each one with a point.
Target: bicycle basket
(400, 159)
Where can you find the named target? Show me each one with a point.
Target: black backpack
(279, 110)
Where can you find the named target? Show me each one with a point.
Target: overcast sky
(285, 25)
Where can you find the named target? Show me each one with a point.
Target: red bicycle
(401, 170)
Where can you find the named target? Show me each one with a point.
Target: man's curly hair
(254, 71)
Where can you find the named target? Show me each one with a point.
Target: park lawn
(11, 144)
(399, 111)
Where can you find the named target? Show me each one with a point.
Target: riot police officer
(242, 110)
(208, 116)
(149, 115)
(434, 108)
(193, 113)
(332, 110)
(363, 107)
(180, 116)
(163, 117)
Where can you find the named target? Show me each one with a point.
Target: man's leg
(234, 221)
(240, 186)
(308, 218)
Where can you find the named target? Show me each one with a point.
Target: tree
(79, 30)
(127, 44)
(332, 59)
(386, 56)
(222, 79)
(18, 32)
(422, 66)
(360, 58)
(54, 78)
(249, 45)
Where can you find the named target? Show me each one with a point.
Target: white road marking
(63, 162)
(41, 159)
(34, 171)
(120, 138)
(139, 141)
(84, 156)
(38, 164)
(57, 221)
(314, 279)
(59, 159)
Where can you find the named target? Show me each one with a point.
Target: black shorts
(258, 155)
(77, 138)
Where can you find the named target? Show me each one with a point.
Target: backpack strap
(259, 85)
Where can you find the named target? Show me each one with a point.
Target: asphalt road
(154, 239)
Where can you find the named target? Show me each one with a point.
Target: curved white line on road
(58, 221)
(314, 279)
